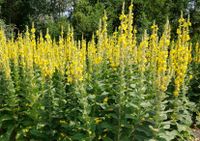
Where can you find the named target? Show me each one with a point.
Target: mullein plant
(9, 100)
(194, 88)
(112, 88)
(159, 67)
(181, 115)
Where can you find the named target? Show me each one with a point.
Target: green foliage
(85, 18)
(194, 92)
(54, 26)
(8, 29)
(120, 104)
(195, 16)
(21, 13)
(86, 14)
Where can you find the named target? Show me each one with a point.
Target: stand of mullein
(120, 97)
(181, 116)
(162, 75)
(81, 92)
(9, 100)
(152, 54)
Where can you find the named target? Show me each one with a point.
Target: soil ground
(197, 134)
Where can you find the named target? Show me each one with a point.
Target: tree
(85, 18)
(88, 12)
(195, 18)
(20, 12)
(84, 15)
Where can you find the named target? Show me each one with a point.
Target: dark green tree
(85, 18)
(194, 8)
(21, 12)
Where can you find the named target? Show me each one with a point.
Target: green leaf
(105, 93)
(125, 138)
(106, 125)
(166, 124)
(79, 136)
(6, 117)
(132, 106)
(107, 139)
(130, 116)
(146, 104)
(133, 86)
(144, 130)
(8, 133)
(182, 127)
(168, 136)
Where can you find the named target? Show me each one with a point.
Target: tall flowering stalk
(181, 54)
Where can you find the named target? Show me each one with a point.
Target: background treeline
(84, 15)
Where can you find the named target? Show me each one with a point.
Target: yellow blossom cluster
(74, 59)
(4, 55)
(142, 52)
(181, 54)
(163, 73)
(66, 56)
(197, 53)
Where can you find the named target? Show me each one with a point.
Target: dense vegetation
(85, 14)
(113, 87)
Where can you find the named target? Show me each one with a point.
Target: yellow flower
(105, 100)
(97, 120)
(191, 76)
(176, 93)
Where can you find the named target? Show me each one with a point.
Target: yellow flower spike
(141, 52)
(162, 59)
(181, 20)
(91, 53)
(197, 53)
(33, 29)
(4, 55)
(47, 36)
(182, 55)
(153, 48)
